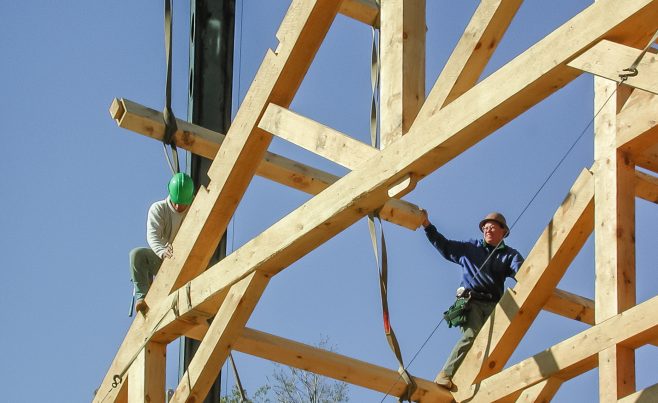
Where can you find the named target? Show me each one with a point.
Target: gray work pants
(144, 265)
(477, 315)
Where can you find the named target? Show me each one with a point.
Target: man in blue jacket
(485, 263)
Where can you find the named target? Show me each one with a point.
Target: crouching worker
(164, 220)
(485, 264)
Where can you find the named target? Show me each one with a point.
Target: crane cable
(630, 72)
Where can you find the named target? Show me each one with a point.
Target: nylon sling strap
(169, 118)
(382, 269)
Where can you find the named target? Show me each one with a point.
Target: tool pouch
(457, 314)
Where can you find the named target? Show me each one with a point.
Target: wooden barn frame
(419, 135)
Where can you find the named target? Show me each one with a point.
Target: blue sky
(78, 188)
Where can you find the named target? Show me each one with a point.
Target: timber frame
(420, 135)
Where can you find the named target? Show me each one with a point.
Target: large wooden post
(146, 378)
(402, 66)
(614, 239)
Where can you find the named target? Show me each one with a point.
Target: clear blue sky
(77, 189)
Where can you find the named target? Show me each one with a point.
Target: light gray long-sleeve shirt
(162, 225)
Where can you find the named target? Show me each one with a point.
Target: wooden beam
(574, 356)
(647, 395)
(146, 378)
(402, 66)
(571, 306)
(201, 141)
(540, 392)
(542, 270)
(608, 59)
(637, 124)
(316, 137)
(472, 53)
(216, 345)
(648, 159)
(614, 182)
(366, 11)
(646, 186)
(330, 364)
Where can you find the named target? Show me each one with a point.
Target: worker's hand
(426, 221)
(169, 252)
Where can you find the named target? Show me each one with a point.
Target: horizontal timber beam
(574, 356)
(201, 141)
(637, 124)
(330, 364)
(608, 60)
(646, 186)
(366, 11)
(315, 137)
(571, 306)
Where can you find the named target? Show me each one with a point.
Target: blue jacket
(470, 255)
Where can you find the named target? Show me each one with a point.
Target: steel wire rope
(532, 199)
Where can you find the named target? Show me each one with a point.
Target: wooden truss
(420, 136)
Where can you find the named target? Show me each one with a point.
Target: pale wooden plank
(472, 53)
(204, 142)
(366, 11)
(608, 59)
(637, 124)
(146, 378)
(574, 356)
(648, 395)
(333, 365)
(542, 270)
(571, 306)
(216, 344)
(315, 137)
(614, 238)
(646, 186)
(402, 66)
(540, 392)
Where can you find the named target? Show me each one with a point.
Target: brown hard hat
(495, 217)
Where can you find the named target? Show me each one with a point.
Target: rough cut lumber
(637, 124)
(614, 238)
(366, 11)
(472, 53)
(402, 66)
(571, 306)
(574, 356)
(608, 60)
(646, 186)
(316, 137)
(204, 142)
(146, 378)
(540, 392)
(648, 395)
(216, 344)
(542, 270)
(201, 141)
(330, 364)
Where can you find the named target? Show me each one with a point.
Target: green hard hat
(181, 189)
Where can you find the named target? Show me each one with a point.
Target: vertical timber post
(212, 24)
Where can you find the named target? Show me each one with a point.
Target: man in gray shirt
(164, 220)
